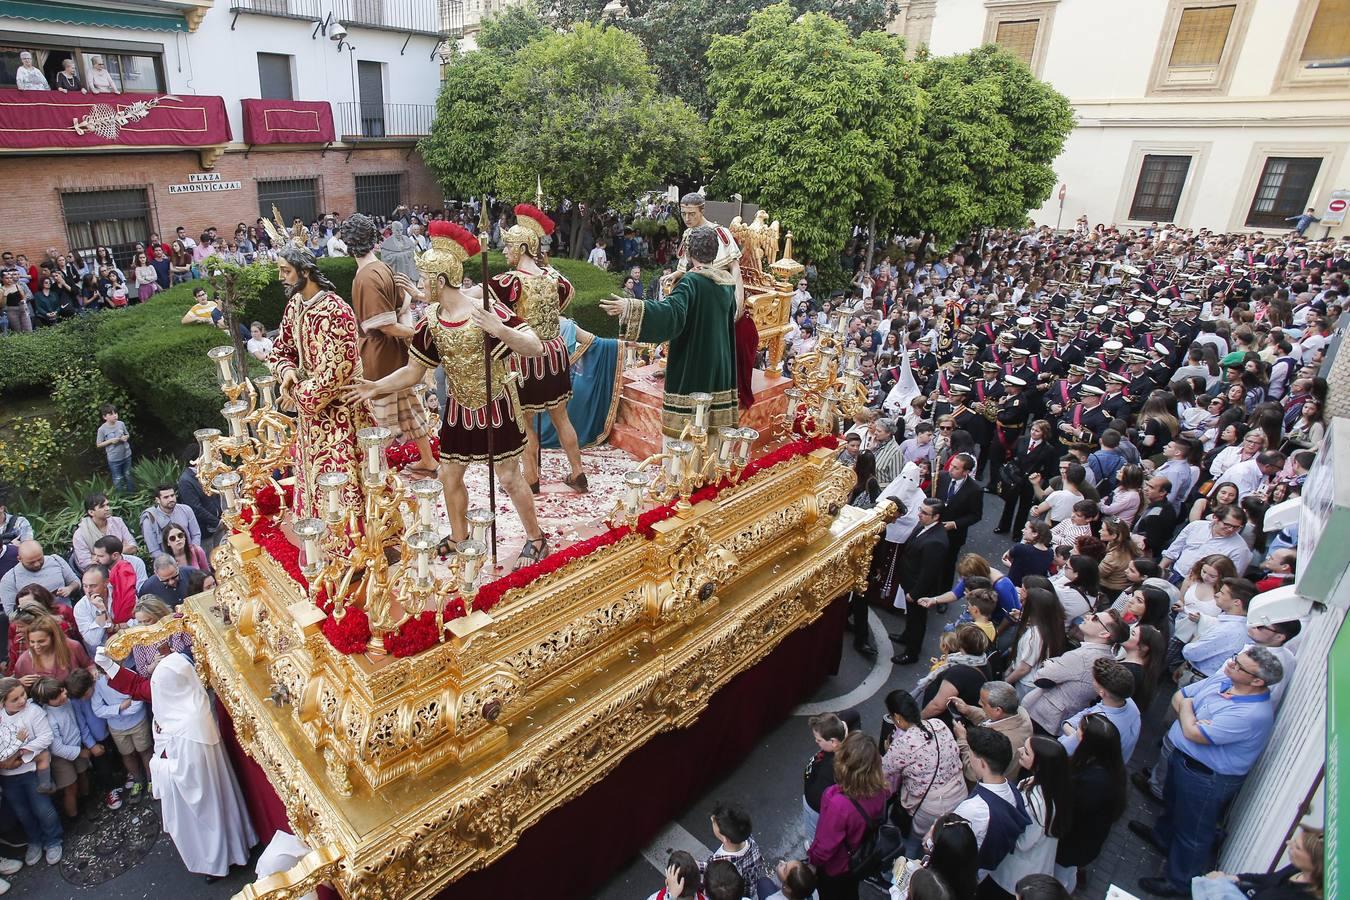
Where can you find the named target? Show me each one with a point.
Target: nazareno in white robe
(202, 806)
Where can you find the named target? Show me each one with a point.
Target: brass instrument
(987, 408)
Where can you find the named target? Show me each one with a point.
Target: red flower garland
(267, 502)
(413, 636)
(352, 634)
(399, 455)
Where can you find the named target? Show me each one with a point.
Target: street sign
(1336, 207)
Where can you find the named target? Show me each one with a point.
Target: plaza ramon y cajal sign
(204, 183)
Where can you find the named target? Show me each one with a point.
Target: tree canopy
(579, 110)
(990, 133)
(678, 33)
(817, 126)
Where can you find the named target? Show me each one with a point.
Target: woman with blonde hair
(50, 653)
(855, 801)
(1303, 877)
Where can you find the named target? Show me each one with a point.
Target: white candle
(335, 502)
(373, 460)
(423, 566)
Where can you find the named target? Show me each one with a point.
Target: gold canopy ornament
(787, 268)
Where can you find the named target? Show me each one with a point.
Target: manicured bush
(161, 363)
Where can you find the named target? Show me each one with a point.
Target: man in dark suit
(920, 578)
(1157, 520)
(964, 501)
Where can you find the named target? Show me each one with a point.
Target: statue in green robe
(698, 318)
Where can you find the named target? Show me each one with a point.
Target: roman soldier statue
(538, 294)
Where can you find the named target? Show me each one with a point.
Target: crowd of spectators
(1129, 405)
(1135, 400)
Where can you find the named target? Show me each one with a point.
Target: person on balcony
(30, 77)
(101, 80)
(68, 80)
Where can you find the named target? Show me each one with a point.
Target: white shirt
(1060, 504)
(1246, 475)
(976, 811)
(1035, 851)
(91, 632)
(598, 258)
(1197, 541)
(337, 246)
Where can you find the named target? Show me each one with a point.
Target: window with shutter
(1284, 188)
(1158, 191)
(1201, 36)
(1018, 38)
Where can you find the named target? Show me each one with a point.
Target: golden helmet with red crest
(532, 225)
(451, 245)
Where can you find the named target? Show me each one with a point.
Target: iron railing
(412, 16)
(285, 9)
(380, 121)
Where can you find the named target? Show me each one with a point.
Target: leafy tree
(511, 29)
(989, 137)
(578, 110)
(678, 33)
(816, 126)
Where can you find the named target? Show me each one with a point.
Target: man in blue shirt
(1114, 684)
(1222, 636)
(1223, 723)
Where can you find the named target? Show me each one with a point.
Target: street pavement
(767, 784)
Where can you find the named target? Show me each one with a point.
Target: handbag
(1011, 474)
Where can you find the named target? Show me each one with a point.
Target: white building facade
(1206, 113)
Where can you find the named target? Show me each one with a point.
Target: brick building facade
(45, 211)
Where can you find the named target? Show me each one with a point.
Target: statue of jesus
(315, 358)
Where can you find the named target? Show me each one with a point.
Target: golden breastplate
(541, 304)
(461, 351)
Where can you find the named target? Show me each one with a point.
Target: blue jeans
(34, 811)
(1193, 803)
(121, 475)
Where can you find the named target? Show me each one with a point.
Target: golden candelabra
(827, 383)
(685, 465)
(376, 554)
(239, 464)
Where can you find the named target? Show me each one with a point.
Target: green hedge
(162, 363)
(591, 285)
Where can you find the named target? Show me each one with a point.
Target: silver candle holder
(471, 554)
(702, 403)
(427, 492)
(223, 357)
(311, 532)
(373, 464)
(267, 391)
(634, 489)
(480, 522)
(332, 484)
(236, 413)
(422, 544)
(745, 443)
(227, 486)
(206, 447)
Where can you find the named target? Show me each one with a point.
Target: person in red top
(857, 798)
(1279, 569)
(39, 599)
(452, 336)
(50, 654)
(121, 577)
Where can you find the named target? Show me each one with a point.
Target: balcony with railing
(403, 16)
(359, 122)
(305, 10)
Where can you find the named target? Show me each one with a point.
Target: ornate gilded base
(406, 774)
